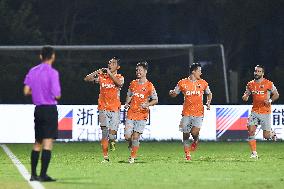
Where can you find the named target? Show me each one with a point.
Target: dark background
(252, 32)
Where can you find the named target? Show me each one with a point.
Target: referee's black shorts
(46, 122)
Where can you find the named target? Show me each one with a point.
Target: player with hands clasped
(109, 102)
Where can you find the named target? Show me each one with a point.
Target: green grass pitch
(159, 165)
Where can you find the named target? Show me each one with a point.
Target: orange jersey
(140, 93)
(260, 91)
(193, 96)
(109, 98)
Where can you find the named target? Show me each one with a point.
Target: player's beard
(257, 77)
(198, 77)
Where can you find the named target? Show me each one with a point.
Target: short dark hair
(47, 52)
(260, 66)
(144, 64)
(117, 60)
(194, 67)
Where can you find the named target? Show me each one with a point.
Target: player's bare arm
(245, 97)
(208, 102)
(27, 90)
(172, 93)
(127, 102)
(116, 80)
(274, 97)
(57, 97)
(151, 103)
(92, 76)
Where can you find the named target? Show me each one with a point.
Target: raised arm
(117, 81)
(92, 76)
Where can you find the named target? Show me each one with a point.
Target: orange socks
(252, 144)
(186, 150)
(134, 151)
(104, 144)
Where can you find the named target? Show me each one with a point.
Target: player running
(263, 94)
(141, 94)
(109, 102)
(193, 89)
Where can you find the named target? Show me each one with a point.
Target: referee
(42, 83)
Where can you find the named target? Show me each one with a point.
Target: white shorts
(134, 125)
(260, 119)
(187, 122)
(109, 119)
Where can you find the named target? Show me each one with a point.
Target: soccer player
(263, 94)
(193, 89)
(109, 102)
(42, 83)
(141, 94)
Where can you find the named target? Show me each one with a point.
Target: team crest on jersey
(262, 86)
(143, 89)
(198, 85)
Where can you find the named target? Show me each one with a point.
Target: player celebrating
(141, 94)
(193, 89)
(261, 90)
(109, 102)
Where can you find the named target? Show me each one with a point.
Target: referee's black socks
(45, 159)
(34, 161)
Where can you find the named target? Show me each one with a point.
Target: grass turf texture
(9, 175)
(159, 165)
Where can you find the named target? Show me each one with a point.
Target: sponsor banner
(17, 124)
(231, 122)
(80, 123)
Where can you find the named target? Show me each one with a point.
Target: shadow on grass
(136, 162)
(76, 180)
(217, 160)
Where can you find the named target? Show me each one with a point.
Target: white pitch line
(24, 172)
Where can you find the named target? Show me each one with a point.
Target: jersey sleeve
(130, 90)
(121, 78)
(27, 80)
(178, 88)
(153, 93)
(129, 93)
(98, 78)
(207, 90)
(55, 84)
(248, 89)
(271, 87)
